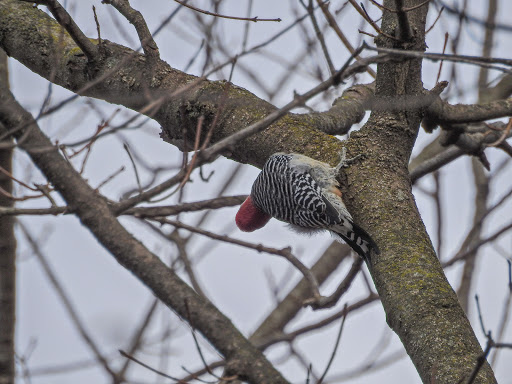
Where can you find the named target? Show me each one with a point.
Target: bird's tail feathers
(359, 240)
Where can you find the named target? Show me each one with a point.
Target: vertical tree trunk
(7, 260)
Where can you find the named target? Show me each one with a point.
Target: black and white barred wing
(288, 195)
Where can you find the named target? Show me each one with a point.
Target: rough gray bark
(420, 305)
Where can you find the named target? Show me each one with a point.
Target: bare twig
(280, 337)
(435, 21)
(98, 28)
(134, 166)
(490, 344)
(285, 252)
(504, 319)
(11, 176)
(461, 255)
(168, 210)
(73, 314)
(63, 17)
(405, 9)
(320, 37)
(254, 19)
(147, 42)
(504, 135)
(334, 25)
(183, 254)
(111, 177)
(474, 60)
(360, 9)
(178, 381)
(327, 302)
(19, 198)
(137, 337)
(335, 346)
(480, 317)
(441, 63)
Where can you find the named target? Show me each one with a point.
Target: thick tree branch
(441, 112)
(420, 304)
(174, 99)
(347, 110)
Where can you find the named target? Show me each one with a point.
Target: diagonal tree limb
(94, 213)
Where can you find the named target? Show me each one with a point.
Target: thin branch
(73, 314)
(7, 211)
(64, 18)
(210, 367)
(183, 255)
(134, 166)
(22, 198)
(280, 337)
(254, 19)
(335, 347)
(474, 60)
(503, 136)
(320, 37)
(441, 63)
(137, 337)
(327, 302)
(142, 212)
(408, 9)
(334, 25)
(462, 255)
(434, 163)
(464, 15)
(435, 21)
(135, 18)
(480, 317)
(98, 29)
(178, 381)
(201, 355)
(110, 178)
(504, 319)
(490, 344)
(168, 210)
(364, 14)
(285, 252)
(11, 176)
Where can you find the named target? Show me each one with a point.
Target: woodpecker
(304, 193)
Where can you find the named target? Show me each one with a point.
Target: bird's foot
(344, 162)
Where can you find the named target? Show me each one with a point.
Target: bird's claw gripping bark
(344, 162)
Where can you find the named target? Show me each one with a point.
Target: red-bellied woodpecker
(303, 192)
